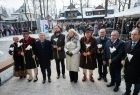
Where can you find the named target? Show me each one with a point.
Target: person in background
(72, 47)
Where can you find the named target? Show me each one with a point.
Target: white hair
(42, 33)
(73, 30)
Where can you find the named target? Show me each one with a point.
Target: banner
(44, 26)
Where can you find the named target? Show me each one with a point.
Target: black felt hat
(25, 31)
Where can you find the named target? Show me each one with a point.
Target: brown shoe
(84, 78)
(91, 78)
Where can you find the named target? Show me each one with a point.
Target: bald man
(102, 65)
(114, 52)
(132, 65)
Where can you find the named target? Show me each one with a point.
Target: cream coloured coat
(73, 45)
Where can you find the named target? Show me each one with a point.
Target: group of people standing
(87, 53)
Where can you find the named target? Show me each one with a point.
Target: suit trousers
(136, 88)
(43, 70)
(102, 68)
(58, 61)
(115, 73)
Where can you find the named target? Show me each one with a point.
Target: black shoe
(35, 80)
(110, 85)
(58, 77)
(44, 81)
(126, 93)
(64, 76)
(24, 76)
(29, 80)
(71, 80)
(49, 80)
(75, 81)
(135, 93)
(20, 77)
(116, 89)
(105, 79)
(100, 78)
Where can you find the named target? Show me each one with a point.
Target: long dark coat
(91, 60)
(44, 53)
(29, 61)
(132, 68)
(60, 43)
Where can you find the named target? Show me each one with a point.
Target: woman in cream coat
(72, 47)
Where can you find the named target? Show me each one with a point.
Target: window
(89, 13)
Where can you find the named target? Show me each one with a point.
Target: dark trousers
(136, 88)
(73, 76)
(43, 70)
(115, 73)
(102, 69)
(58, 61)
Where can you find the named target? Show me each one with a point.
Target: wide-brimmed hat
(89, 29)
(26, 31)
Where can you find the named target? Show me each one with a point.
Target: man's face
(26, 35)
(102, 33)
(42, 37)
(114, 36)
(56, 29)
(135, 35)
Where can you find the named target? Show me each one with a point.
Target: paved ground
(58, 86)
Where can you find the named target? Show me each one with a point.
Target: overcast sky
(17, 3)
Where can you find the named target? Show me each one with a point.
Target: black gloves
(69, 53)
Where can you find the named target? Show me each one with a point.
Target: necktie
(42, 44)
(133, 45)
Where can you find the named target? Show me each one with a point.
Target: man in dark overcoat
(114, 52)
(132, 63)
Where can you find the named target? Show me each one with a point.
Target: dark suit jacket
(60, 43)
(44, 52)
(132, 68)
(116, 56)
(103, 42)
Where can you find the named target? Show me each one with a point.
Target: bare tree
(121, 4)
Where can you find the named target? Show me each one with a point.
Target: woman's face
(71, 34)
(88, 34)
(138, 25)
